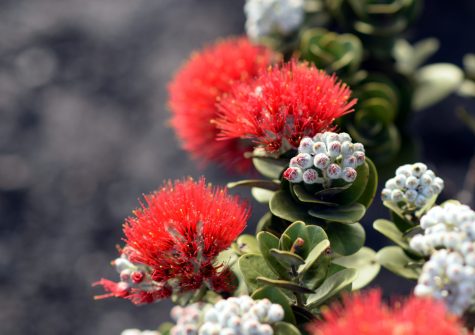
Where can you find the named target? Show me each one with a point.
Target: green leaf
(287, 257)
(264, 222)
(354, 192)
(247, 244)
(390, 230)
(395, 260)
(434, 83)
(261, 195)
(270, 167)
(276, 296)
(283, 206)
(345, 239)
(284, 284)
(365, 263)
(313, 256)
(284, 328)
(268, 241)
(331, 286)
(343, 214)
(265, 184)
(253, 266)
(312, 235)
(369, 192)
(304, 196)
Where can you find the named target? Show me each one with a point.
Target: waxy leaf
(268, 241)
(284, 284)
(395, 260)
(365, 263)
(390, 230)
(346, 239)
(331, 286)
(253, 266)
(343, 214)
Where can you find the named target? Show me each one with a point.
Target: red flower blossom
(366, 314)
(175, 237)
(195, 89)
(283, 105)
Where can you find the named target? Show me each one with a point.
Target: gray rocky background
(83, 133)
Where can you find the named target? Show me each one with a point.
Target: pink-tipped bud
(349, 174)
(321, 161)
(310, 176)
(293, 174)
(334, 171)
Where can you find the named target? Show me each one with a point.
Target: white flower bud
(386, 194)
(360, 157)
(347, 149)
(344, 137)
(422, 291)
(329, 137)
(349, 174)
(412, 182)
(400, 180)
(122, 264)
(410, 195)
(349, 161)
(405, 170)
(425, 180)
(275, 313)
(293, 174)
(306, 145)
(334, 171)
(397, 196)
(334, 149)
(358, 147)
(310, 176)
(418, 169)
(265, 330)
(420, 201)
(321, 161)
(319, 148)
(303, 161)
(391, 184)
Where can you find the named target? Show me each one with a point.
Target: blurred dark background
(83, 133)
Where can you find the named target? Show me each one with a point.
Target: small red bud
(137, 277)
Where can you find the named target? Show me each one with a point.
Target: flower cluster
(268, 17)
(177, 236)
(233, 316)
(367, 314)
(241, 316)
(325, 157)
(412, 187)
(188, 319)
(282, 106)
(136, 283)
(449, 239)
(196, 88)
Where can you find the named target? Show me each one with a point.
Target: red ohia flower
(366, 314)
(283, 105)
(177, 235)
(195, 90)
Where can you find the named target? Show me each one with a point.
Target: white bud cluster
(241, 316)
(267, 17)
(449, 239)
(412, 187)
(131, 274)
(139, 332)
(325, 157)
(188, 319)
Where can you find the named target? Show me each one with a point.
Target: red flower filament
(366, 314)
(283, 105)
(195, 90)
(177, 235)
